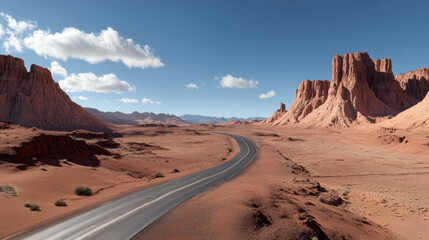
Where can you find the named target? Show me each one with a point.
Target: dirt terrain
(365, 182)
(315, 184)
(41, 167)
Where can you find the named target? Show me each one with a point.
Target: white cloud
(90, 47)
(89, 82)
(80, 98)
(75, 43)
(15, 30)
(233, 82)
(147, 100)
(17, 26)
(12, 43)
(57, 69)
(128, 100)
(158, 102)
(1, 31)
(192, 86)
(269, 94)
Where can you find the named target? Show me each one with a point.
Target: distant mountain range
(196, 119)
(136, 118)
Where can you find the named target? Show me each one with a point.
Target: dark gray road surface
(127, 216)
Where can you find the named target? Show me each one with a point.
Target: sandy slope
(416, 117)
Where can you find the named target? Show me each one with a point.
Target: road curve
(127, 216)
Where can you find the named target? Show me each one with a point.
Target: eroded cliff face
(350, 99)
(415, 83)
(35, 99)
(387, 89)
(361, 91)
(309, 96)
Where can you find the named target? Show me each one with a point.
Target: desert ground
(358, 183)
(48, 168)
(372, 186)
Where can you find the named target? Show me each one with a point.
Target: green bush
(83, 191)
(159, 175)
(60, 203)
(34, 207)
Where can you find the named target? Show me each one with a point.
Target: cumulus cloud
(14, 32)
(147, 100)
(90, 47)
(158, 102)
(269, 94)
(75, 43)
(80, 98)
(89, 82)
(128, 100)
(17, 26)
(57, 69)
(229, 81)
(192, 86)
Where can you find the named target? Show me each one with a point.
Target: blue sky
(273, 44)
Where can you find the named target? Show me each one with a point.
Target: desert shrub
(321, 198)
(159, 175)
(83, 191)
(60, 203)
(176, 170)
(43, 169)
(27, 204)
(34, 129)
(34, 207)
(229, 150)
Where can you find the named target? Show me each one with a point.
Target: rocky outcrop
(361, 91)
(309, 96)
(415, 83)
(276, 115)
(50, 149)
(35, 99)
(350, 99)
(386, 88)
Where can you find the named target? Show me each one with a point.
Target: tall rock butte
(361, 91)
(34, 99)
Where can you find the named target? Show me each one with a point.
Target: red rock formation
(278, 114)
(308, 97)
(35, 99)
(350, 99)
(50, 148)
(415, 83)
(386, 88)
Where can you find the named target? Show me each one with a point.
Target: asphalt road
(127, 216)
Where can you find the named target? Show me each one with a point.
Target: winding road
(127, 216)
